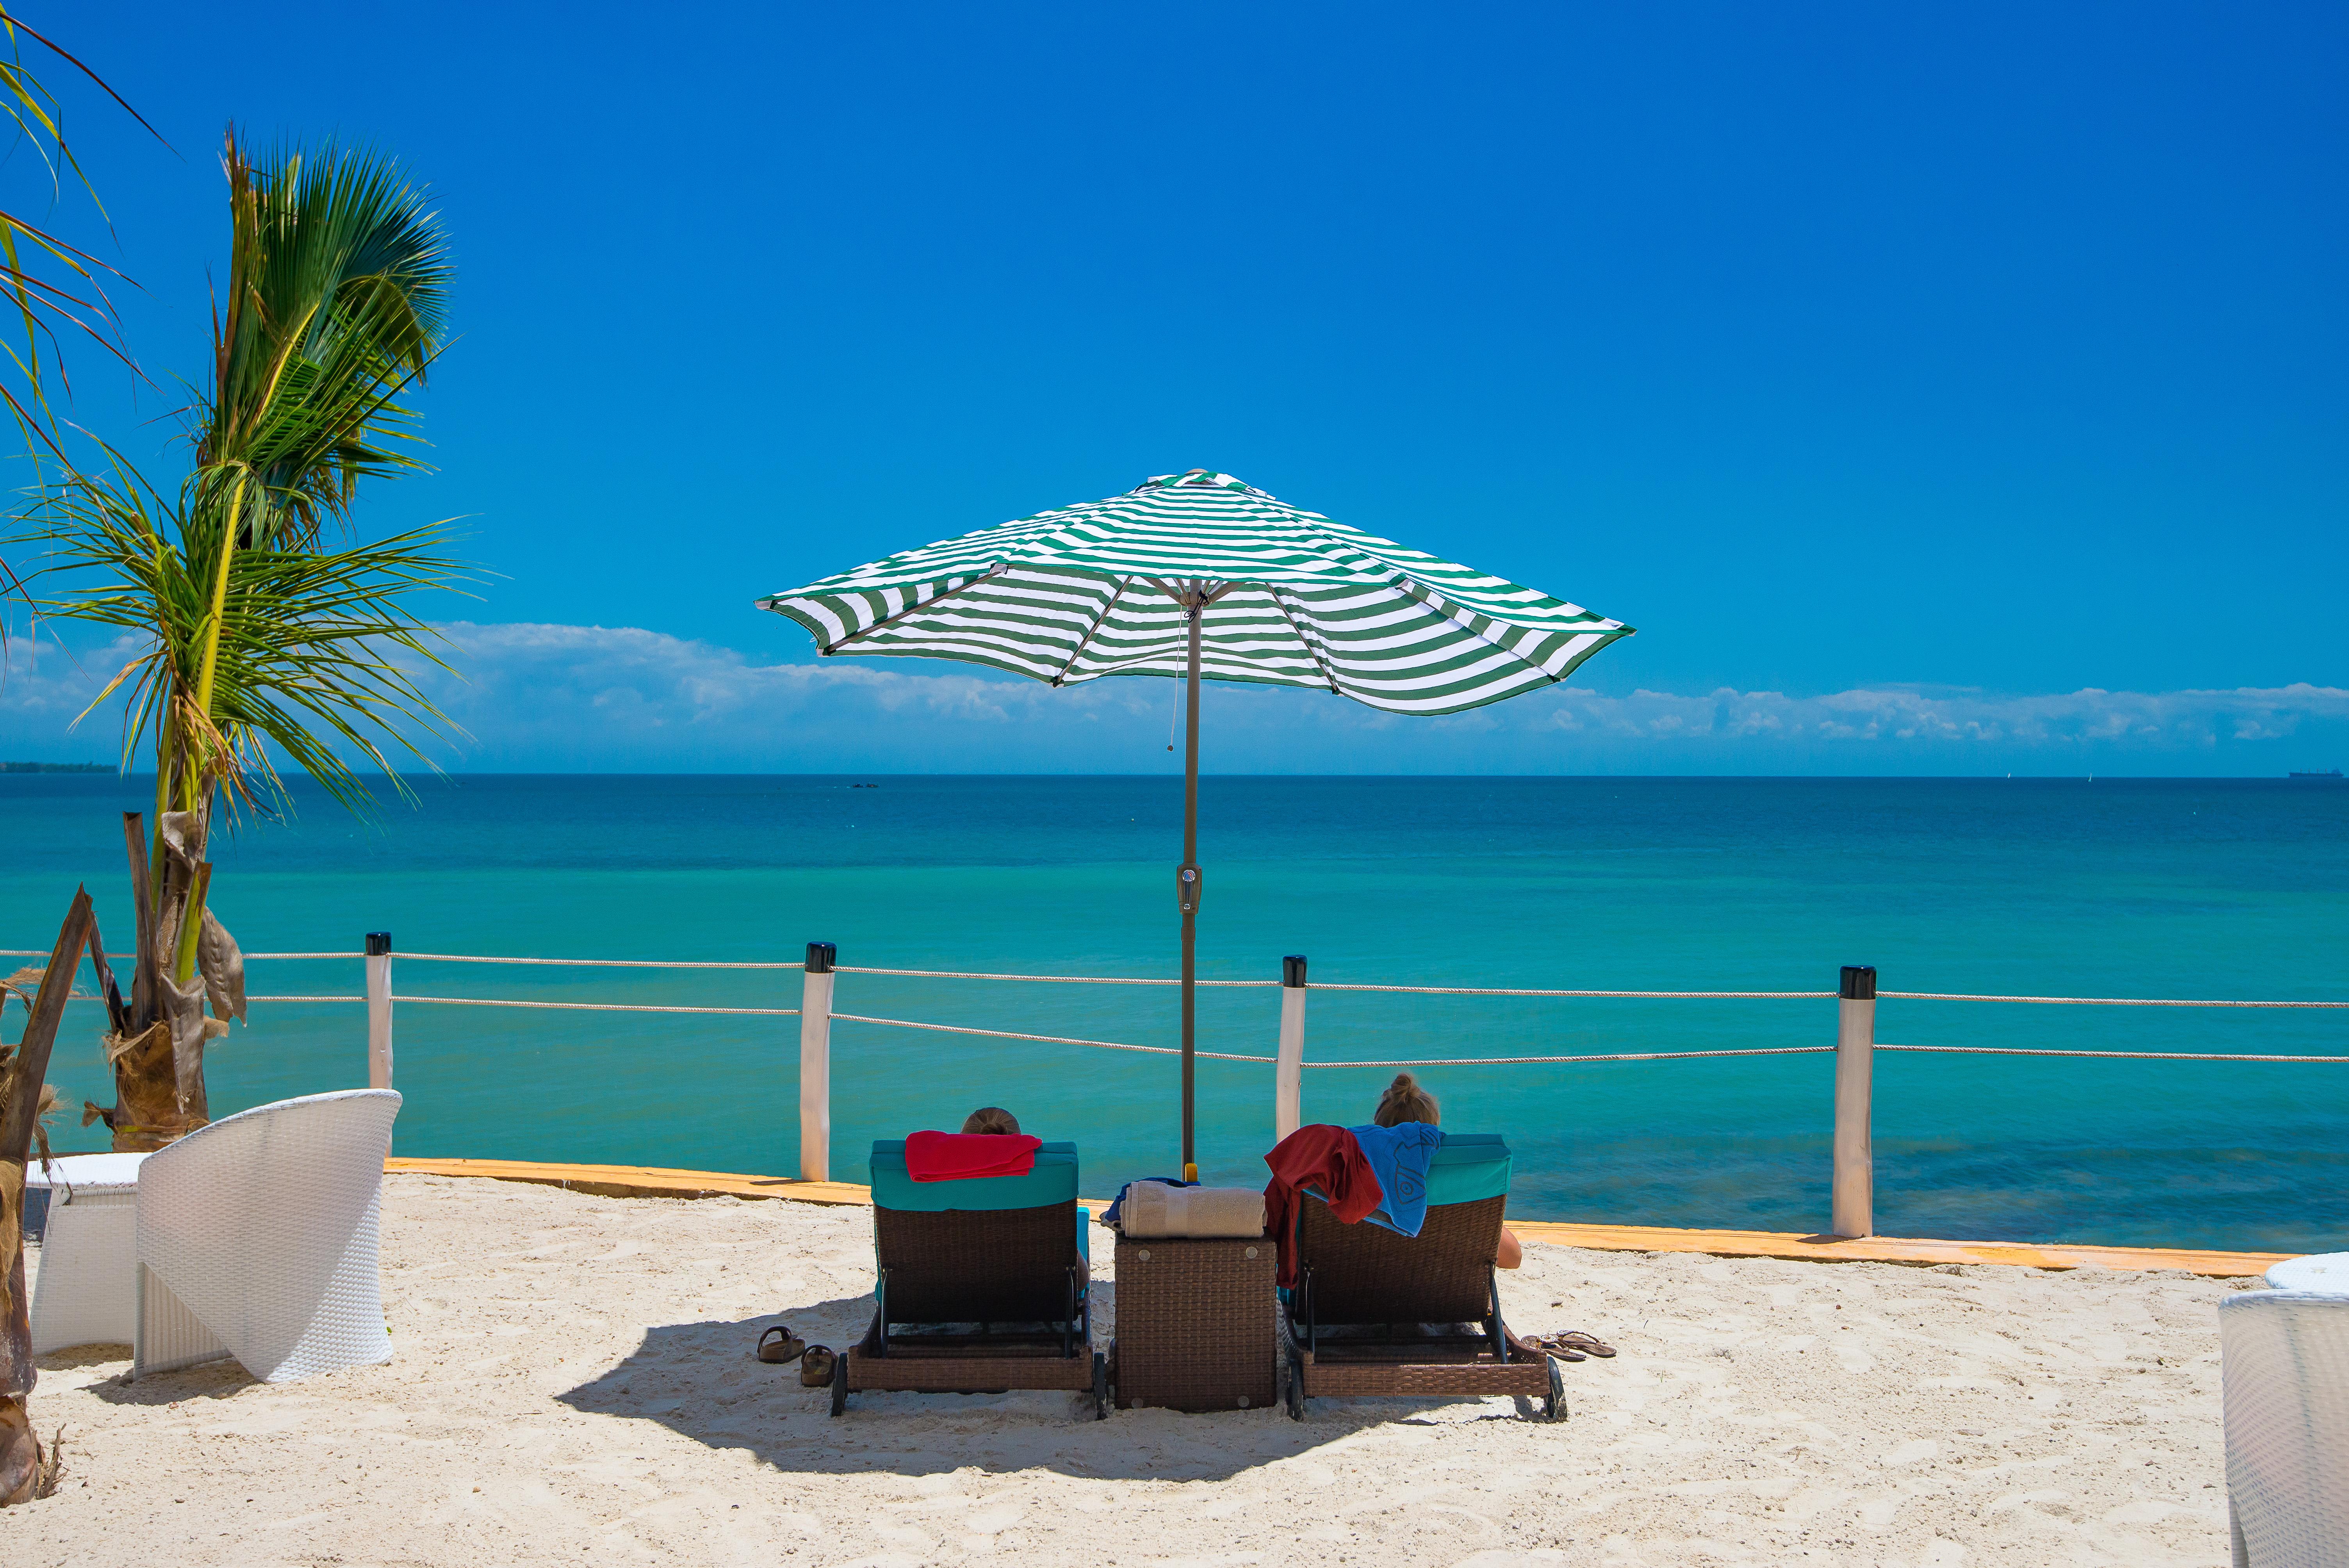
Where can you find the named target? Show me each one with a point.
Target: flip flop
(1587, 1343)
(782, 1351)
(815, 1366)
(1555, 1345)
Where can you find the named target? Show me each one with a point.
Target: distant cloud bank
(553, 697)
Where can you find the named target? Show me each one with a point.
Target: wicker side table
(1197, 1324)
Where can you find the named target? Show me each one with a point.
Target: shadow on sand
(702, 1380)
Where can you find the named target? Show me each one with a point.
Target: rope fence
(1854, 1050)
(1248, 985)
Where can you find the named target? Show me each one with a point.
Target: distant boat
(2328, 773)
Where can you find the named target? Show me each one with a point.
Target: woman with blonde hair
(1406, 1101)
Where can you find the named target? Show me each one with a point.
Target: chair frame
(1011, 1274)
(1375, 1313)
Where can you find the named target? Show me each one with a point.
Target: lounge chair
(1378, 1313)
(978, 1290)
(2284, 1376)
(257, 1240)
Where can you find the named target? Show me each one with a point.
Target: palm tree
(260, 640)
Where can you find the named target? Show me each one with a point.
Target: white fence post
(815, 1062)
(378, 1001)
(1854, 1203)
(1288, 1070)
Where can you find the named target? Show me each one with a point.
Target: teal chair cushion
(1469, 1165)
(1053, 1181)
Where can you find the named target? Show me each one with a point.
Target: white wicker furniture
(2327, 1273)
(83, 1294)
(257, 1239)
(2285, 1372)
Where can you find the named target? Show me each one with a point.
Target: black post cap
(1293, 969)
(378, 943)
(1858, 983)
(822, 956)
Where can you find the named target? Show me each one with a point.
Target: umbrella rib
(1123, 584)
(933, 599)
(1328, 673)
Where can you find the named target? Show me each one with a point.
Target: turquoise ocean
(2103, 888)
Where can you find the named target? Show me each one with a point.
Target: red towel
(959, 1156)
(1324, 1156)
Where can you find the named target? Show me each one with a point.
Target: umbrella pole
(1187, 884)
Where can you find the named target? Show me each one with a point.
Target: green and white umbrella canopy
(1202, 576)
(1104, 588)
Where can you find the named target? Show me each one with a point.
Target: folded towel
(1113, 1219)
(1152, 1210)
(962, 1156)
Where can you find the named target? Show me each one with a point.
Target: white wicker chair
(83, 1293)
(2286, 1371)
(257, 1239)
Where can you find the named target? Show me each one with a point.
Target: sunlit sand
(574, 1382)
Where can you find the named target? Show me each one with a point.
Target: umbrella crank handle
(1186, 888)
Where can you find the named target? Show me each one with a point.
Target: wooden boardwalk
(658, 1181)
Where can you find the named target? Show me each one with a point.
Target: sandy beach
(573, 1383)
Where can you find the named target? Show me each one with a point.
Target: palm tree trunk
(156, 1052)
(25, 1069)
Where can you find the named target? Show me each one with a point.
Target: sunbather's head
(991, 1119)
(1406, 1101)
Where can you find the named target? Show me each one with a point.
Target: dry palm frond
(23, 985)
(52, 1466)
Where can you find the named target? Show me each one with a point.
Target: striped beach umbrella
(1202, 576)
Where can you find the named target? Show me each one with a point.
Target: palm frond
(31, 257)
(335, 305)
(317, 655)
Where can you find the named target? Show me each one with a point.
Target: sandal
(781, 1352)
(815, 1366)
(1555, 1345)
(1590, 1344)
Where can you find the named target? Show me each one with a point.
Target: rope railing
(1854, 1050)
(1527, 991)
(1265, 985)
(1053, 979)
(2096, 1001)
(1049, 1039)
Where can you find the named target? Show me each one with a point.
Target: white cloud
(542, 697)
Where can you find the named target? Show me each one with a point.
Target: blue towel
(1399, 1157)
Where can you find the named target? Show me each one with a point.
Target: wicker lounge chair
(978, 1290)
(1378, 1313)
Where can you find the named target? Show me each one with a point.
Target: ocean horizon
(2122, 887)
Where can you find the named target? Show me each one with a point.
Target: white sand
(573, 1383)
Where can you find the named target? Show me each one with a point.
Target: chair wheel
(1553, 1405)
(840, 1382)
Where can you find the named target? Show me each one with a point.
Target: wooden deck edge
(1913, 1250)
(660, 1181)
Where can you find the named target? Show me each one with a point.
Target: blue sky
(1948, 390)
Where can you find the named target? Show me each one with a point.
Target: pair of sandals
(1575, 1347)
(778, 1346)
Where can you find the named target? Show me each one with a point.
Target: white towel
(1155, 1209)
